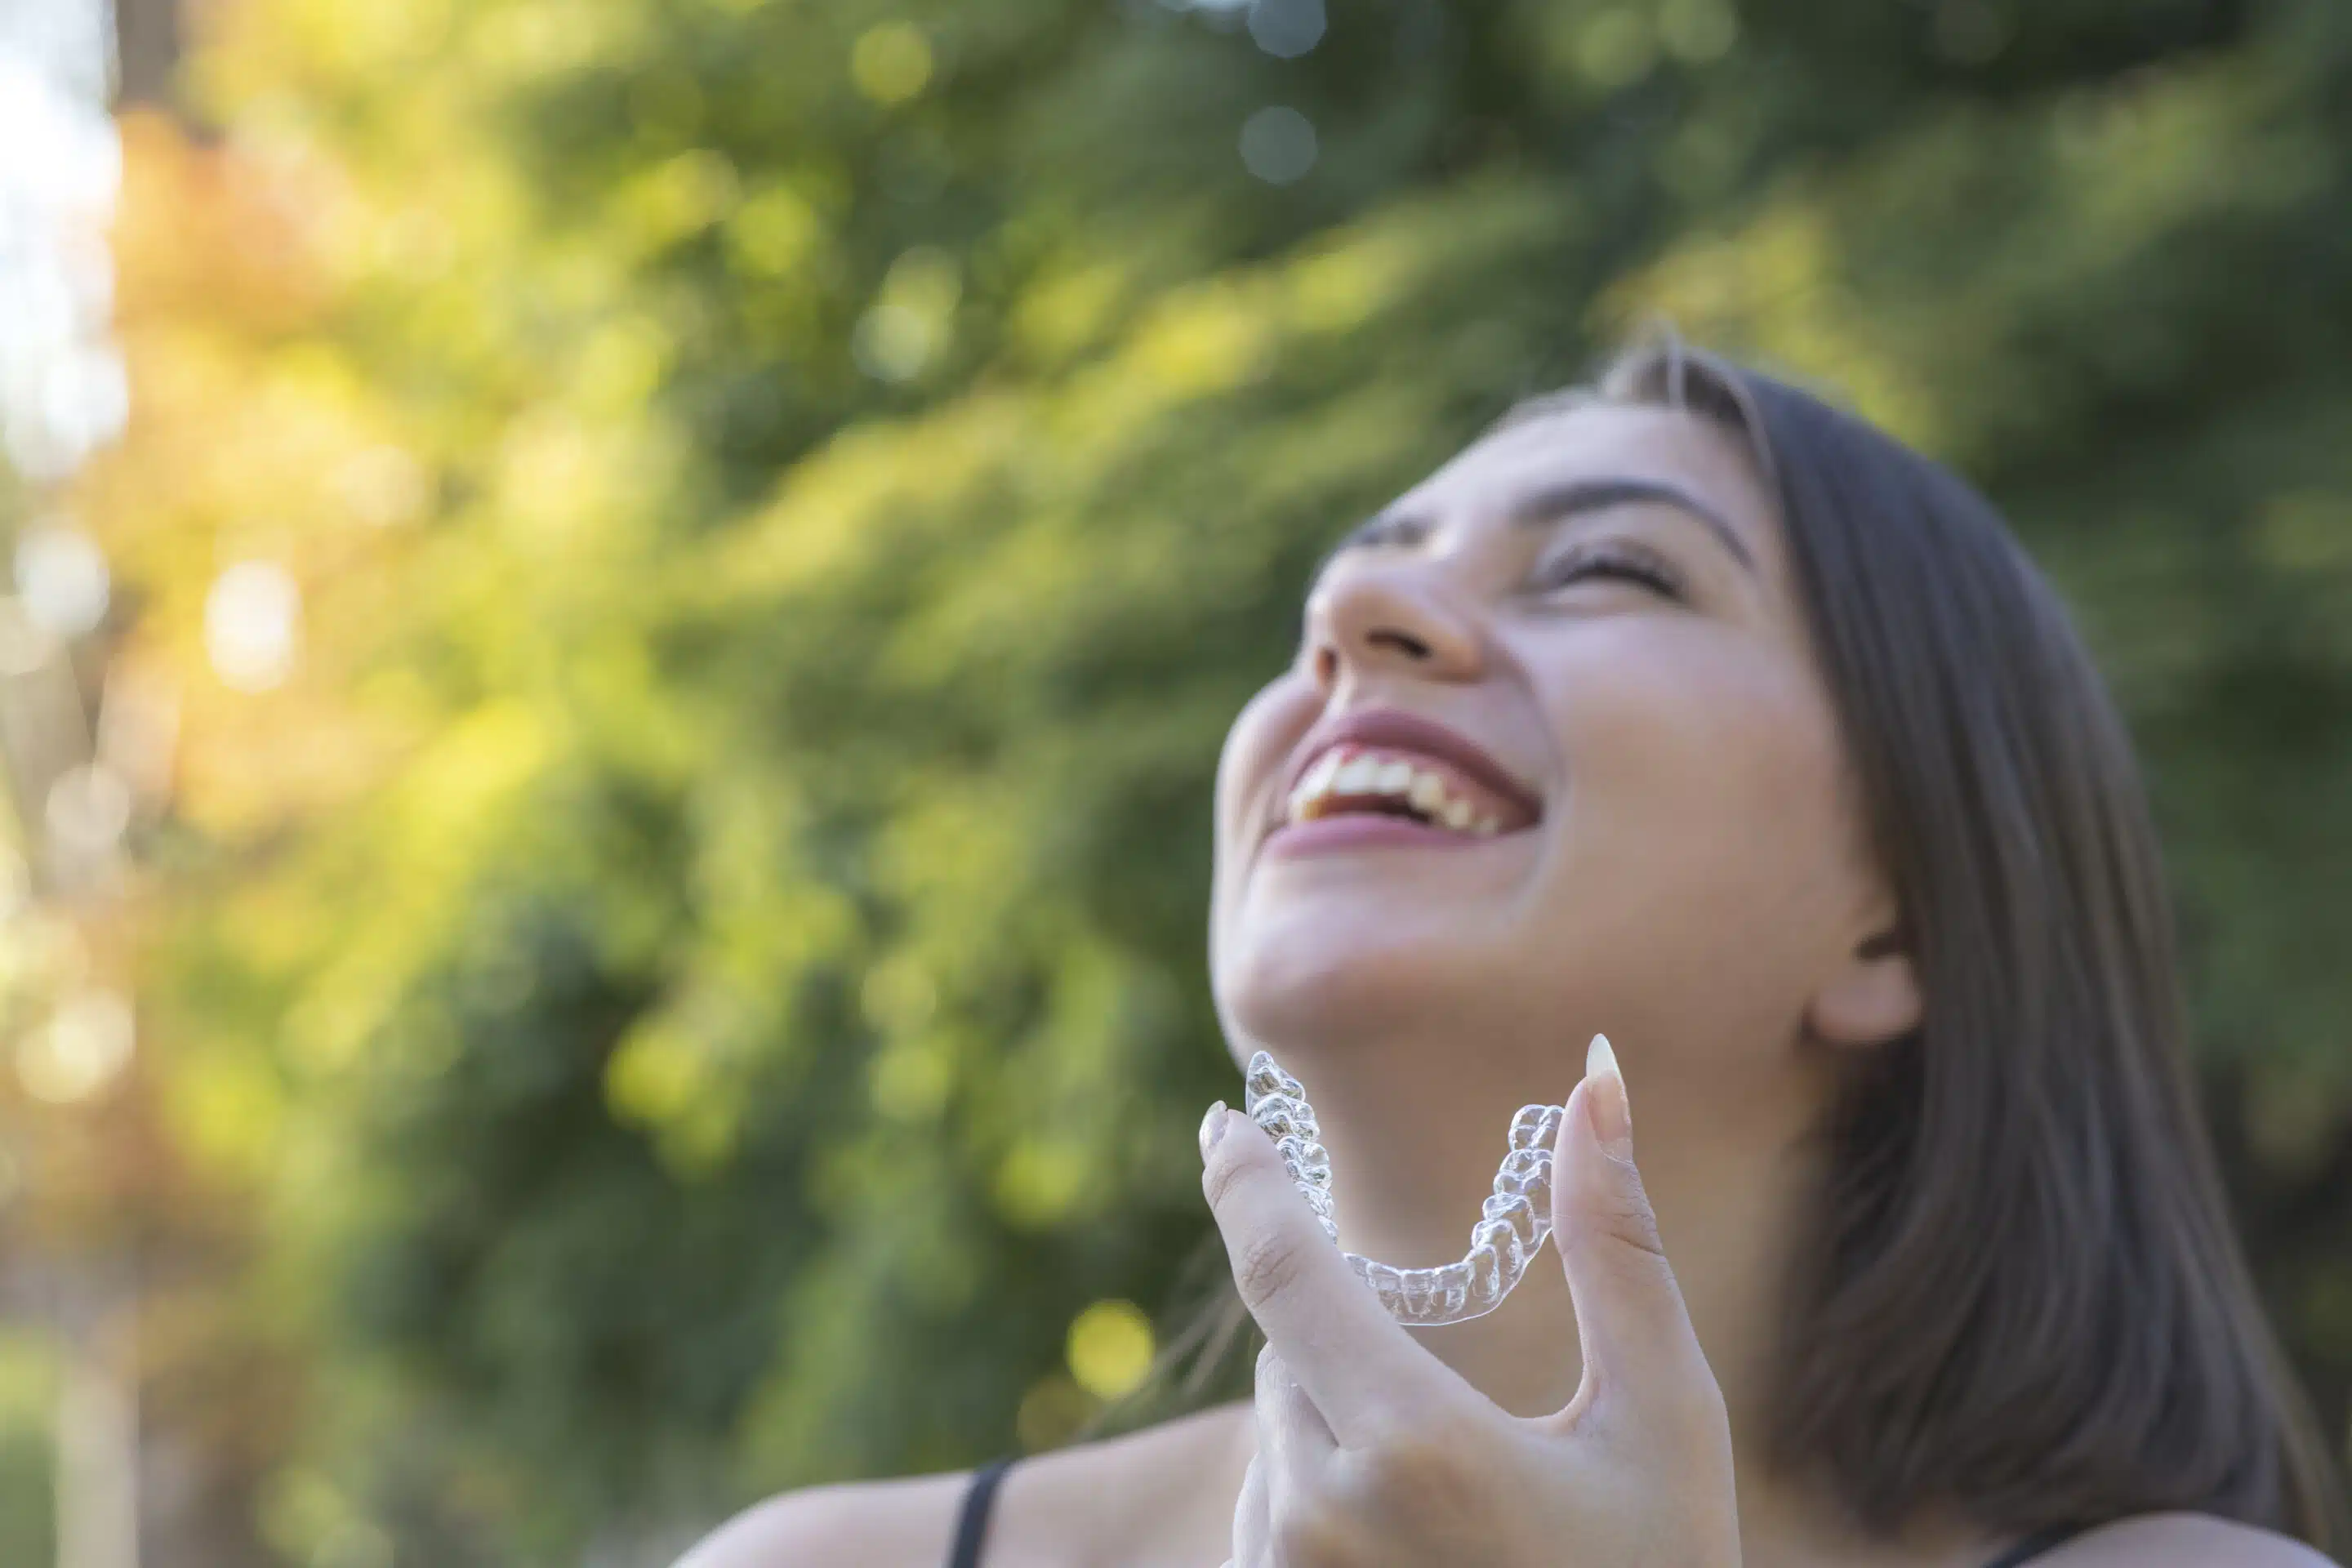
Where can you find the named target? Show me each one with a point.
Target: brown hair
(2022, 1297)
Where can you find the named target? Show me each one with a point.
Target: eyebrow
(1572, 498)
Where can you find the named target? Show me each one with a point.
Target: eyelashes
(1611, 561)
(1598, 560)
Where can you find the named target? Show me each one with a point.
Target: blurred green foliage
(790, 495)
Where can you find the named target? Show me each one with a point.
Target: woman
(1761, 748)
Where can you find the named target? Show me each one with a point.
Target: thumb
(1638, 1345)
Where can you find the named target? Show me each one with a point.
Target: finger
(1362, 1371)
(1293, 1440)
(1631, 1321)
(1252, 1519)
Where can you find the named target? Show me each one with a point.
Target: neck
(1409, 1170)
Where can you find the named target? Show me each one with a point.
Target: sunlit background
(619, 611)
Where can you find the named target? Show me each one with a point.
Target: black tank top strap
(980, 1503)
(972, 1524)
(2035, 1545)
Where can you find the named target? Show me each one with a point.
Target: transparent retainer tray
(1511, 1227)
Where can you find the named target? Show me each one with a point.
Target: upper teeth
(1373, 774)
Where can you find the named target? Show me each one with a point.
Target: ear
(1872, 996)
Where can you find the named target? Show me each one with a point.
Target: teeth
(1367, 773)
(1319, 777)
(1314, 786)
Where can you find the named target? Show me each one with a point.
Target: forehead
(1604, 441)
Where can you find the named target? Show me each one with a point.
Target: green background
(861, 456)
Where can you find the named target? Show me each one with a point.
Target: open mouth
(1418, 776)
(1365, 780)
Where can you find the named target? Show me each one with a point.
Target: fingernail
(1213, 1127)
(1604, 1099)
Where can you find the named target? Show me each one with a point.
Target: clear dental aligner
(1513, 1226)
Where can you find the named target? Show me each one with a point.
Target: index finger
(1363, 1371)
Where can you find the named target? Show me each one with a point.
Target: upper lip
(1403, 732)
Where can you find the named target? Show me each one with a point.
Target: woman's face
(1554, 757)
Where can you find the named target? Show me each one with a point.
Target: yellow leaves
(1776, 287)
(677, 197)
(228, 1105)
(2161, 148)
(359, 39)
(834, 507)
(776, 234)
(1342, 287)
(622, 364)
(1067, 310)
(584, 477)
(520, 40)
(1040, 1182)
(660, 1072)
(1207, 339)
(460, 787)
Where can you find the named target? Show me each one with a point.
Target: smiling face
(1554, 757)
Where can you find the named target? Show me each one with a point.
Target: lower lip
(1329, 834)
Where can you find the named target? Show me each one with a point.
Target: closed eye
(1609, 562)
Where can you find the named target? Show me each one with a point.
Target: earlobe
(1872, 998)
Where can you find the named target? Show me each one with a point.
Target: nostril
(1327, 667)
(1403, 642)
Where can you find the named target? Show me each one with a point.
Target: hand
(1373, 1452)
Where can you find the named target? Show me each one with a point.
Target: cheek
(1255, 747)
(1705, 787)
(1261, 738)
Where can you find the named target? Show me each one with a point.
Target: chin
(1299, 984)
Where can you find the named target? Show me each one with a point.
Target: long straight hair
(2021, 1295)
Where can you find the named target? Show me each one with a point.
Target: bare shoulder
(890, 1524)
(1172, 1486)
(2184, 1540)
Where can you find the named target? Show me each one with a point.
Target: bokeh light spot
(383, 486)
(775, 232)
(912, 318)
(89, 809)
(1697, 31)
(252, 624)
(1110, 1349)
(1052, 1413)
(1287, 28)
(82, 1050)
(891, 63)
(1040, 1182)
(1616, 48)
(61, 575)
(1278, 144)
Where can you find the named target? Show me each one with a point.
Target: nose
(1373, 622)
